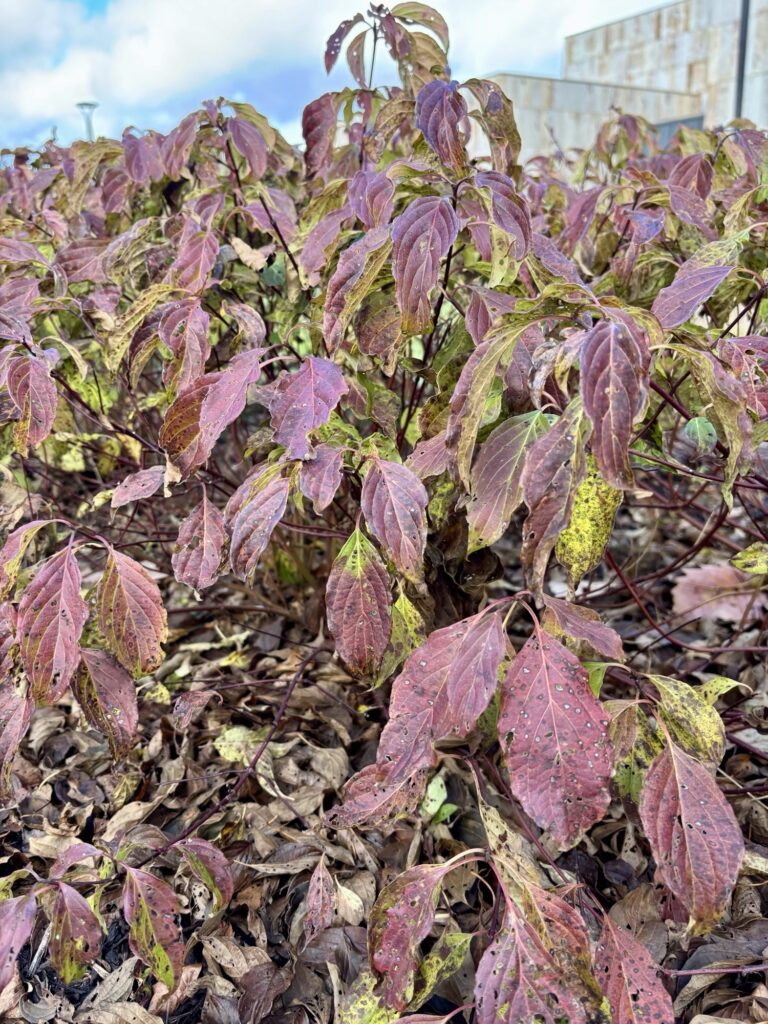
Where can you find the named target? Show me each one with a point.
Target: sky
(149, 62)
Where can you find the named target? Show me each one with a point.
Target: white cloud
(141, 58)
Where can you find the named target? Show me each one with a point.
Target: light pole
(87, 108)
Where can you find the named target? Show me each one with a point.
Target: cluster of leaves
(228, 366)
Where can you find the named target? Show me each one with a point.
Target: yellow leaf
(753, 559)
(693, 722)
(581, 544)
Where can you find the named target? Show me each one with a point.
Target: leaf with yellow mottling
(636, 743)
(753, 559)
(693, 722)
(581, 544)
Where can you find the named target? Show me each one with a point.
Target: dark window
(667, 129)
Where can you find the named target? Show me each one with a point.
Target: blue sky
(149, 62)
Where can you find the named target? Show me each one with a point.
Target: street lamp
(87, 108)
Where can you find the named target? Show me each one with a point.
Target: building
(699, 62)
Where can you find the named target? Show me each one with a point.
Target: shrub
(497, 408)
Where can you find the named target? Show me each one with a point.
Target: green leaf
(753, 559)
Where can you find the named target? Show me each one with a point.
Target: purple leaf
(496, 477)
(303, 401)
(75, 933)
(614, 389)
(14, 250)
(141, 484)
(183, 327)
(177, 144)
(371, 197)
(82, 261)
(394, 501)
(336, 40)
(131, 614)
(440, 112)
(17, 916)
(51, 618)
(320, 475)
(357, 599)
(107, 696)
(553, 732)
(421, 236)
(355, 272)
(199, 545)
(318, 126)
(429, 458)
(374, 796)
(580, 623)
(197, 252)
(34, 394)
(690, 289)
(252, 513)
(250, 142)
(484, 309)
(321, 244)
(150, 908)
(142, 157)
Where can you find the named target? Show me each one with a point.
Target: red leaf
(34, 394)
(371, 197)
(401, 918)
(358, 597)
(581, 623)
(629, 979)
(429, 458)
(691, 287)
(75, 933)
(318, 126)
(252, 513)
(51, 618)
(320, 476)
(377, 328)
(517, 980)
(17, 916)
(336, 40)
(196, 418)
(107, 696)
(440, 111)
(554, 736)
(250, 142)
(614, 389)
(131, 614)
(694, 836)
(150, 908)
(496, 477)
(199, 546)
(211, 867)
(304, 400)
(422, 236)
(484, 309)
(394, 501)
(142, 484)
(321, 901)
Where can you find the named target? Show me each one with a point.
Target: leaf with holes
(358, 598)
(421, 237)
(107, 695)
(496, 477)
(131, 614)
(75, 933)
(252, 513)
(199, 545)
(17, 916)
(394, 501)
(212, 868)
(336, 40)
(694, 836)
(629, 978)
(150, 908)
(51, 618)
(401, 918)
(304, 400)
(553, 732)
(614, 390)
(321, 901)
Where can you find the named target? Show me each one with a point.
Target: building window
(666, 129)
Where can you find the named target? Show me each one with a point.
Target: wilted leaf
(131, 614)
(555, 740)
(107, 695)
(321, 901)
(695, 838)
(51, 618)
(150, 908)
(358, 597)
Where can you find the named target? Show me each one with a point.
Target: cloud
(147, 62)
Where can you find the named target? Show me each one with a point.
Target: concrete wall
(575, 110)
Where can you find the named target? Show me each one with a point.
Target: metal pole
(87, 109)
(742, 63)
